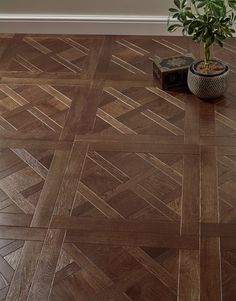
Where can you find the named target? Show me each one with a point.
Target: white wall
(144, 17)
(86, 7)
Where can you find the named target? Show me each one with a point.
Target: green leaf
(213, 23)
(173, 27)
(210, 40)
(190, 15)
(177, 3)
(187, 22)
(201, 4)
(216, 9)
(175, 15)
(232, 4)
(197, 34)
(220, 43)
(219, 37)
(173, 10)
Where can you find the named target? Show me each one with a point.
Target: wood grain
(111, 188)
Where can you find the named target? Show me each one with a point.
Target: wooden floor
(110, 188)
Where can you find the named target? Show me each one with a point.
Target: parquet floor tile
(111, 188)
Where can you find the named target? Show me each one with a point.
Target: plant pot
(208, 86)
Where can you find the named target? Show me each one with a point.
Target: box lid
(175, 62)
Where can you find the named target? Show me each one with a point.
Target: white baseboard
(81, 24)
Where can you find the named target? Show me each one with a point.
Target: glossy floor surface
(110, 188)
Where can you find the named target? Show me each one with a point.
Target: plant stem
(206, 55)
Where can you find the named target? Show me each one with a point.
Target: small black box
(172, 71)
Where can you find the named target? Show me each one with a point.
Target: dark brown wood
(110, 187)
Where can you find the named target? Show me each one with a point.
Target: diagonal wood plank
(137, 203)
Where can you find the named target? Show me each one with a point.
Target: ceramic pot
(208, 86)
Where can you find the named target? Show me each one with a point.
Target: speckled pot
(207, 86)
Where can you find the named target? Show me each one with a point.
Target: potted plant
(208, 22)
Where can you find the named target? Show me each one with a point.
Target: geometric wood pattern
(111, 188)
